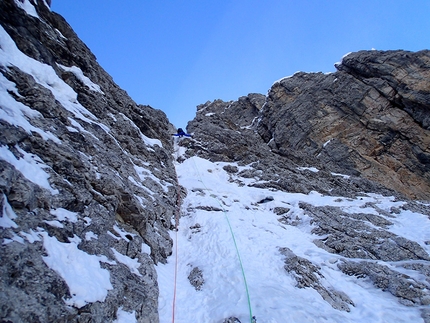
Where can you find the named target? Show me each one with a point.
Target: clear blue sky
(174, 55)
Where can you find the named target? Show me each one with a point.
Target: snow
(412, 226)
(27, 7)
(127, 236)
(46, 4)
(44, 75)
(80, 75)
(259, 235)
(15, 237)
(8, 215)
(64, 215)
(90, 235)
(132, 264)
(16, 113)
(327, 142)
(150, 141)
(312, 169)
(54, 223)
(125, 317)
(146, 249)
(341, 175)
(87, 281)
(286, 77)
(32, 236)
(30, 166)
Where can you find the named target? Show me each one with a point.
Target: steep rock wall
(371, 118)
(87, 184)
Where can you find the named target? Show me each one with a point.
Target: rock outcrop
(361, 130)
(370, 119)
(87, 181)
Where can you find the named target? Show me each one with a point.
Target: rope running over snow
(251, 317)
(177, 211)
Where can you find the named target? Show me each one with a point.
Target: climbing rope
(177, 211)
(251, 317)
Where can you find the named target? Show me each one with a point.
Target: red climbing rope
(177, 210)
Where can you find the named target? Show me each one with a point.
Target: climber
(181, 133)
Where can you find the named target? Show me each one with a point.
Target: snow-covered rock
(297, 206)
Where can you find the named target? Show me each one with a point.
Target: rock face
(370, 119)
(87, 181)
(363, 129)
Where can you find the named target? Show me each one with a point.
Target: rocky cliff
(86, 174)
(88, 183)
(369, 119)
(361, 130)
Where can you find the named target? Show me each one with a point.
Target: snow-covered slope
(218, 212)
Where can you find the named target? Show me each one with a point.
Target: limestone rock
(371, 118)
(105, 190)
(308, 275)
(108, 191)
(403, 286)
(196, 278)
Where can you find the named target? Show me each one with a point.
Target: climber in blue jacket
(181, 133)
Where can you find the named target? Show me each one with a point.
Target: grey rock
(121, 189)
(369, 119)
(196, 278)
(307, 274)
(230, 169)
(266, 200)
(425, 314)
(407, 289)
(281, 210)
(231, 319)
(352, 236)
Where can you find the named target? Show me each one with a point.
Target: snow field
(259, 235)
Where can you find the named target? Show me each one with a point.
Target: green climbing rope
(251, 317)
